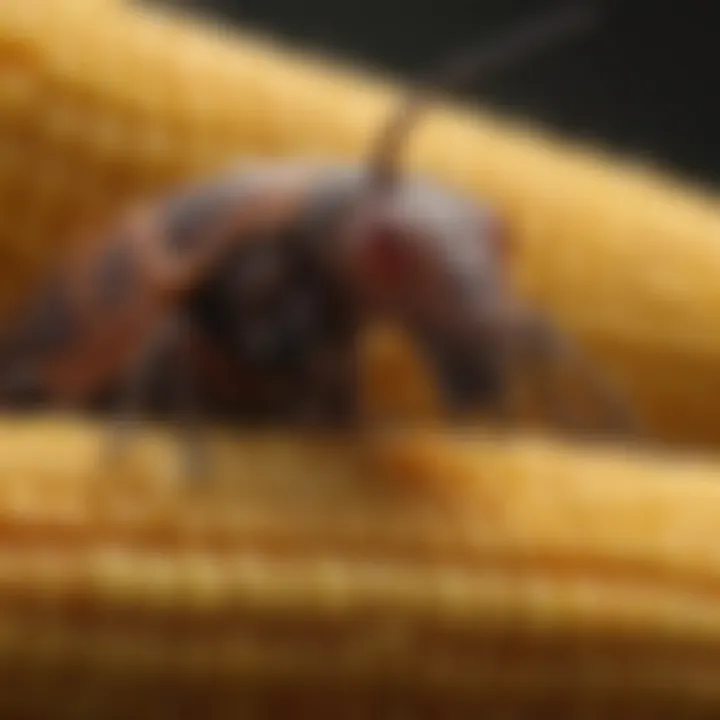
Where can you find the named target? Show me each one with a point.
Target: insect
(249, 289)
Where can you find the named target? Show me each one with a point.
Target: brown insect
(249, 289)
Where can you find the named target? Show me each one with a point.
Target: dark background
(646, 81)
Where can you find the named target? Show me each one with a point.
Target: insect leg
(332, 390)
(135, 386)
(474, 379)
(188, 406)
(499, 404)
(341, 397)
(166, 344)
(546, 346)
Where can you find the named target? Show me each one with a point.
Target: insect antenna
(472, 64)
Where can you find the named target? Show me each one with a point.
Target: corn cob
(572, 581)
(514, 575)
(102, 101)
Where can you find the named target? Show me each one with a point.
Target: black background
(644, 82)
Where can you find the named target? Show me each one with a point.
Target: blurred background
(645, 81)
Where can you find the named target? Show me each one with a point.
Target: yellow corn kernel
(423, 571)
(102, 101)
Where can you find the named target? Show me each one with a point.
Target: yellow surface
(428, 570)
(506, 574)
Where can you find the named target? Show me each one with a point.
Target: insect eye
(388, 254)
